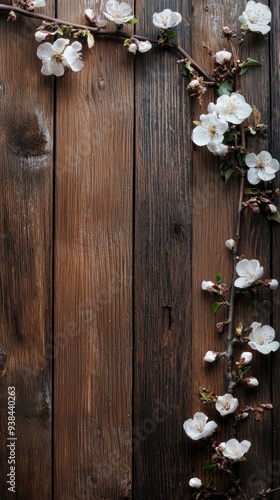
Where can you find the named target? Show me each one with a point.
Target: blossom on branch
(119, 13)
(226, 404)
(231, 108)
(37, 3)
(210, 130)
(208, 286)
(198, 427)
(210, 356)
(248, 271)
(223, 57)
(234, 450)
(166, 19)
(262, 338)
(251, 381)
(93, 19)
(195, 482)
(245, 358)
(137, 46)
(256, 17)
(262, 167)
(57, 56)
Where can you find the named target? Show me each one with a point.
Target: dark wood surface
(103, 322)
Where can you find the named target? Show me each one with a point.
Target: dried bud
(239, 329)
(12, 16)
(220, 326)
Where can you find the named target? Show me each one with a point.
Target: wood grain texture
(93, 273)
(273, 468)
(162, 268)
(210, 256)
(26, 130)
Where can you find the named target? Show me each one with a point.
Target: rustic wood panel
(93, 273)
(218, 213)
(273, 467)
(26, 133)
(162, 267)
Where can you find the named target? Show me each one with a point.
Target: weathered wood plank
(162, 267)
(273, 468)
(93, 273)
(210, 257)
(26, 130)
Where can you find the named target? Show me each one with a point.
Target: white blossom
(262, 167)
(119, 13)
(198, 427)
(248, 271)
(222, 57)
(231, 108)
(226, 404)
(234, 450)
(210, 130)
(256, 17)
(139, 46)
(262, 338)
(230, 244)
(272, 208)
(91, 17)
(210, 356)
(246, 358)
(251, 381)
(57, 56)
(217, 149)
(273, 284)
(42, 35)
(166, 19)
(207, 286)
(195, 482)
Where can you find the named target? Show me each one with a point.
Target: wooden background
(110, 220)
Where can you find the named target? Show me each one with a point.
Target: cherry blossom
(210, 356)
(198, 427)
(119, 13)
(251, 381)
(57, 56)
(210, 130)
(166, 19)
(231, 108)
(37, 4)
(222, 57)
(272, 284)
(217, 149)
(245, 358)
(262, 167)
(233, 449)
(226, 404)
(208, 286)
(230, 244)
(195, 482)
(136, 45)
(93, 19)
(248, 271)
(262, 338)
(256, 17)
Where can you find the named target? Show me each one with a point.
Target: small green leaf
(249, 62)
(241, 159)
(242, 371)
(170, 33)
(216, 306)
(132, 21)
(225, 88)
(243, 71)
(229, 137)
(228, 173)
(251, 191)
(218, 278)
(209, 465)
(275, 217)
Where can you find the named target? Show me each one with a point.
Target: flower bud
(273, 284)
(246, 358)
(132, 48)
(12, 16)
(220, 326)
(272, 208)
(244, 415)
(230, 244)
(251, 381)
(239, 329)
(210, 356)
(90, 16)
(222, 57)
(42, 35)
(207, 285)
(195, 482)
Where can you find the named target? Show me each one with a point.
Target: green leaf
(225, 88)
(132, 21)
(241, 159)
(251, 191)
(216, 306)
(249, 62)
(218, 278)
(243, 71)
(275, 217)
(229, 137)
(228, 173)
(209, 465)
(170, 33)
